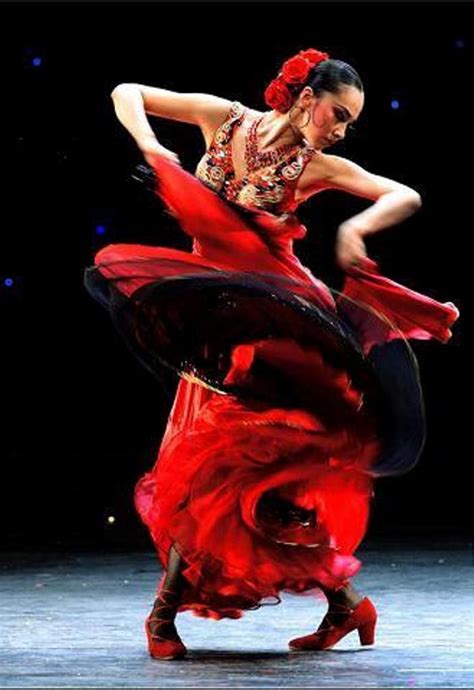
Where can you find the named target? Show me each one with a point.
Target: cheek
(321, 117)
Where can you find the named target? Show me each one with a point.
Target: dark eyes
(343, 117)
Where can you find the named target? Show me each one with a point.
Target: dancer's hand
(152, 150)
(350, 247)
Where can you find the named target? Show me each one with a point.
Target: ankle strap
(165, 591)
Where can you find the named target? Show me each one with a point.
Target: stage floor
(76, 620)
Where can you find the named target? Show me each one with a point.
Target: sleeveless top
(269, 187)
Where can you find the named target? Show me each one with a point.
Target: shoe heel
(367, 633)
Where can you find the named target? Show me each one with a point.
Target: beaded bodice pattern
(270, 179)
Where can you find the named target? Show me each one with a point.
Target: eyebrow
(339, 105)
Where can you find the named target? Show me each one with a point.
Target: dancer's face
(327, 117)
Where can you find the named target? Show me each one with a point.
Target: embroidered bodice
(271, 177)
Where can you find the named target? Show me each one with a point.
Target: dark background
(82, 420)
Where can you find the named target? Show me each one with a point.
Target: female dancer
(293, 398)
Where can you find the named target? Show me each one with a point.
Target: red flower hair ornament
(294, 72)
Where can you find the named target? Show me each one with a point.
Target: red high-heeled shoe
(161, 647)
(362, 618)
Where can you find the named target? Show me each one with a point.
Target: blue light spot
(100, 229)
(36, 62)
(395, 104)
(8, 282)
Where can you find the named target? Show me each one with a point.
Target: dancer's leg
(341, 602)
(167, 602)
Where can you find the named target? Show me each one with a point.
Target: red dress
(265, 472)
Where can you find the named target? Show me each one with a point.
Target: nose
(339, 132)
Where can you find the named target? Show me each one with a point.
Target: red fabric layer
(219, 457)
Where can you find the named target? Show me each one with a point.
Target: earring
(293, 124)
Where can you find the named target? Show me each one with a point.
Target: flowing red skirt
(228, 463)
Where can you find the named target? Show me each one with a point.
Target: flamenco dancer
(293, 398)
